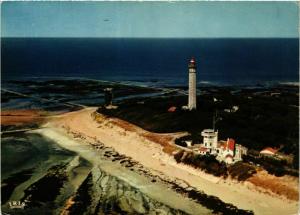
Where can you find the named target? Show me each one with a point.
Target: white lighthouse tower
(192, 84)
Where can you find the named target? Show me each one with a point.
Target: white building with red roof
(268, 151)
(228, 151)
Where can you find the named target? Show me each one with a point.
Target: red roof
(172, 109)
(270, 150)
(230, 144)
(228, 156)
(202, 149)
(192, 60)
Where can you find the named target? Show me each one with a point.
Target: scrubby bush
(207, 163)
(272, 166)
(251, 125)
(180, 142)
(241, 171)
(178, 156)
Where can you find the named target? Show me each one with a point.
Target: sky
(150, 19)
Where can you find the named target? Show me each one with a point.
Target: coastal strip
(150, 155)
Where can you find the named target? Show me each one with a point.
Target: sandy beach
(133, 142)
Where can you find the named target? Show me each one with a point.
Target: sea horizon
(163, 62)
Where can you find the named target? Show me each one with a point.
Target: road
(69, 104)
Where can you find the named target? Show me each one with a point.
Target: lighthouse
(192, 84)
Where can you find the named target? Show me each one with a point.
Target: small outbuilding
(172, 109)
(203, 150)
(268, 152)
(228, 159)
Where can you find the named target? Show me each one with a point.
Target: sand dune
(134, 143)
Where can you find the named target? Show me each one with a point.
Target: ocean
(152, 61)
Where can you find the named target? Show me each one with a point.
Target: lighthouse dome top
(192, 63)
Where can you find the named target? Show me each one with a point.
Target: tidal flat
(49, 181)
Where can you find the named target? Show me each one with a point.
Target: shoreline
(156, 190)
(181, 196)
(241, 195)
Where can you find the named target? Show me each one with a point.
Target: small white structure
(192, 85)
(233, 109)
(227, 110)
(275, 94)
(228, 159)
(239, 151)
(185, 107)
(210, 138)
(111, 107)
(188, 143)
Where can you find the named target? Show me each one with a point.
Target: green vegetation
(207, 163)
(265, 118)
(153, 115)
(272, 166)
(241, 171)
